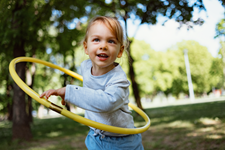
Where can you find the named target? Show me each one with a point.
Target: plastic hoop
(65, 112)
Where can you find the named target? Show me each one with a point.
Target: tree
(165, 71)
(25, 31)
(200, 66)
(19, 25)
(6, 84)
(220, 33)
(146, 62)
(147, 12)
(217, 71)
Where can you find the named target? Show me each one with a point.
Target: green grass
(195, 127)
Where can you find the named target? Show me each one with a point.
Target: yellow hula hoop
(65, 112)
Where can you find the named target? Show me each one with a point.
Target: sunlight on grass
(45, 148)
(139, 124)
(5, 124)
(211, 128)
(54, 134)
(206, 129)
(38, 148)
(209, 121)
(2, 124)
(181, 124)
(214, 136)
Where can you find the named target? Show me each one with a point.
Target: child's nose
(103, 46)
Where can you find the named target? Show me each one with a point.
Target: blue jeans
(130, 142)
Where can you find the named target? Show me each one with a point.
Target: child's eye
(112, 41)
(96, 40)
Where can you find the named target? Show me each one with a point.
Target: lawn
(184, 127)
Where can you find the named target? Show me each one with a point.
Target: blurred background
(161, 33)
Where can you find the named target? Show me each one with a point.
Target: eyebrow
(98, 35)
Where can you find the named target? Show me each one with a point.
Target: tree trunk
(9, 88)
(30, 73)
(21, 127)
(133, 78)
(131, 70)
(10, 112)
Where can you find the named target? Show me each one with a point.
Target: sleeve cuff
(70, 93)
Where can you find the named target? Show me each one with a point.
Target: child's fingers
(47, 94)
(59, 92)
(42, 95)
(63, 102)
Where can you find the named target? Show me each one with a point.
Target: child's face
(103, 48)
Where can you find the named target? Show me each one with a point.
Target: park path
(187, 101)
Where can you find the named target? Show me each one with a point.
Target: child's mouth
(102, 55)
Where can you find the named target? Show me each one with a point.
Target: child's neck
(97, 71)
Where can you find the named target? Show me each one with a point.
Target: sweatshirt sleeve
(109, 100)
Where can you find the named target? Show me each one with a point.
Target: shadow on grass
(50, 133)
(57, 127)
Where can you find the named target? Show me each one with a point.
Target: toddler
(105, 91)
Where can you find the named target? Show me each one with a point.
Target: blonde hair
(112, 24)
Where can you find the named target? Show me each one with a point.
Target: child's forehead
(100, 23)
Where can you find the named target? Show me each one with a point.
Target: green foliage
(220, 28)
(148, 11)
(21, 22)
(35, 26)
(217, 72)
(4, 102)
(220, 32)
(5, 84)
(145, 65)
(200, 61)
(166, 71)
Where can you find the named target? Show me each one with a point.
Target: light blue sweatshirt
(104, 98)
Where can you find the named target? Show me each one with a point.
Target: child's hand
(59, 92)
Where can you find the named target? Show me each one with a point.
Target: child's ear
(85, 47)
(120, 52)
